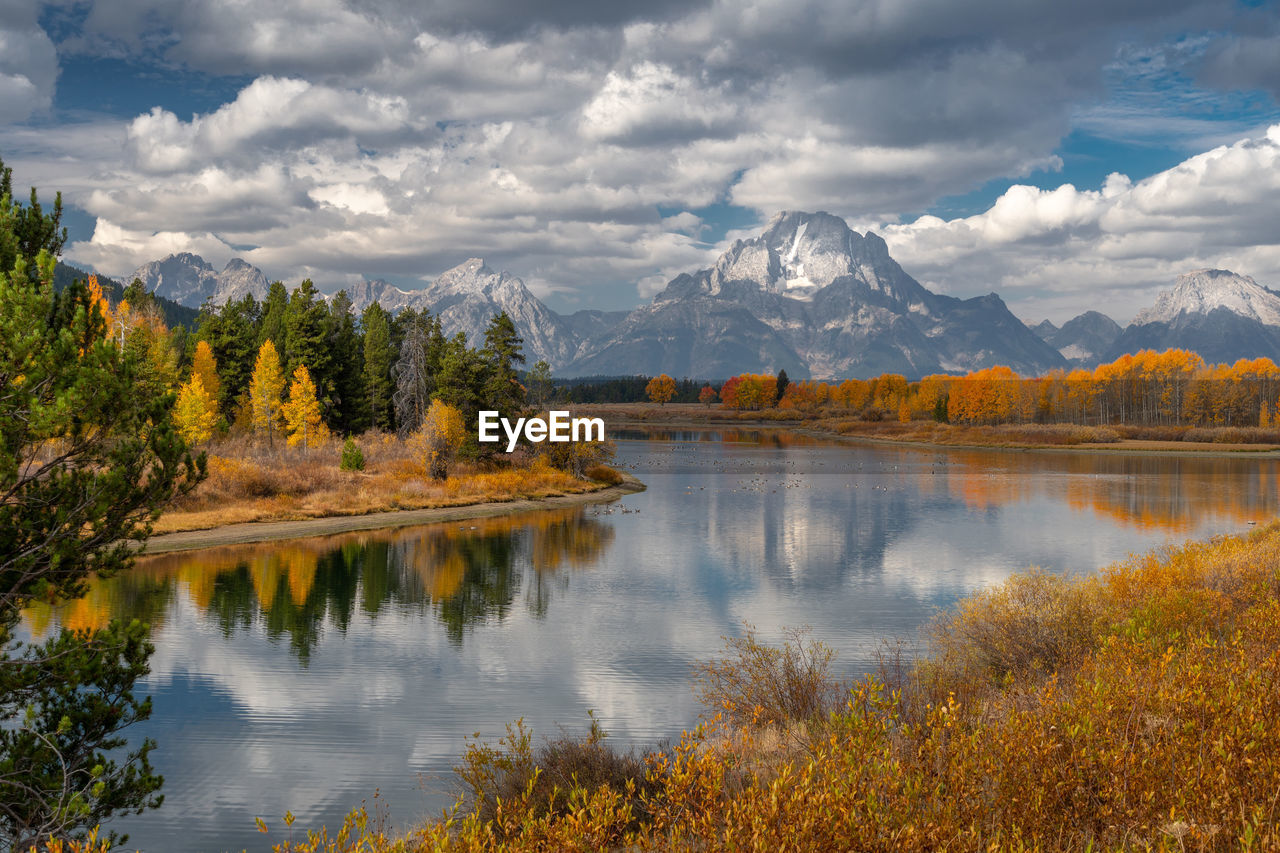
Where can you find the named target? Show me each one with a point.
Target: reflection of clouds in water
(313, 676)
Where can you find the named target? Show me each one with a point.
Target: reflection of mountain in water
(467, 574)
(814, 520)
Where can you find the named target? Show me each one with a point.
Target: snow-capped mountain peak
(470, 276)
(1202, 291)
(800, 253)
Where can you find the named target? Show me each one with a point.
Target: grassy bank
(1184, 439)
(250, 482)
(1132, 710)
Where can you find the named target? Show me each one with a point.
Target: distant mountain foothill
(808, 295)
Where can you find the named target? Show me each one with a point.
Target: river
(306, 675)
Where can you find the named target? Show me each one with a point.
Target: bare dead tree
(413, 380)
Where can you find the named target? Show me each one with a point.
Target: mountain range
(820, 300)
(808, 295)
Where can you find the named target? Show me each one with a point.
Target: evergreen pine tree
(232, 333)
(350, 410)
(460, 379)
(307, 340)
(501, 354)
(274, 309)
(65, 702)
(378, 358)
(538, 385)
(28, 228)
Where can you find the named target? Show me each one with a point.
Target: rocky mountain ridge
(811, 296)
(808, 295)
(190, 280)
(1203, 291)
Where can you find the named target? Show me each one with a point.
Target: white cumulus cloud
(1059, 252)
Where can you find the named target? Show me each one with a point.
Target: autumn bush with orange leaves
(1131, 710)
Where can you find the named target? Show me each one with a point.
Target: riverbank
(1057, 437)
(271, 531)
(249, 483)
(1129, 710)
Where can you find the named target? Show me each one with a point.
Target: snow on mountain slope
(1201, 291)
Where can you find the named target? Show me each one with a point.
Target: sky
(1068, 156)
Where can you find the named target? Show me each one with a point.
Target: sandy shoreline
(270, 531)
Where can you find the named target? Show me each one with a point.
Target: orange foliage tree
(751, 391)
(661, 389)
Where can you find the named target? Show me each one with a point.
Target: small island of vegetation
(305, 411)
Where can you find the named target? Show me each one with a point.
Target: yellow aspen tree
(193, 413)
(438, 439)
(302, 412)
(161, 357)
(204, 365)
(121, 321)
(99, 300)
(265, 391)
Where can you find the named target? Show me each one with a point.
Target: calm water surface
(307, 675)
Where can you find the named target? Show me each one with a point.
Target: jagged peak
(184, 258)
(1092, 318)
(792, 218)
(471, 266)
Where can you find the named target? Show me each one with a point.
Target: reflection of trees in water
(147, 600)
(809, 532)
(1150, 492)
(468, 574)
(763, 436)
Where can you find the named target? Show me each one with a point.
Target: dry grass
(873, 423)
(603, 474)
(249, 482)
(1003, 435)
